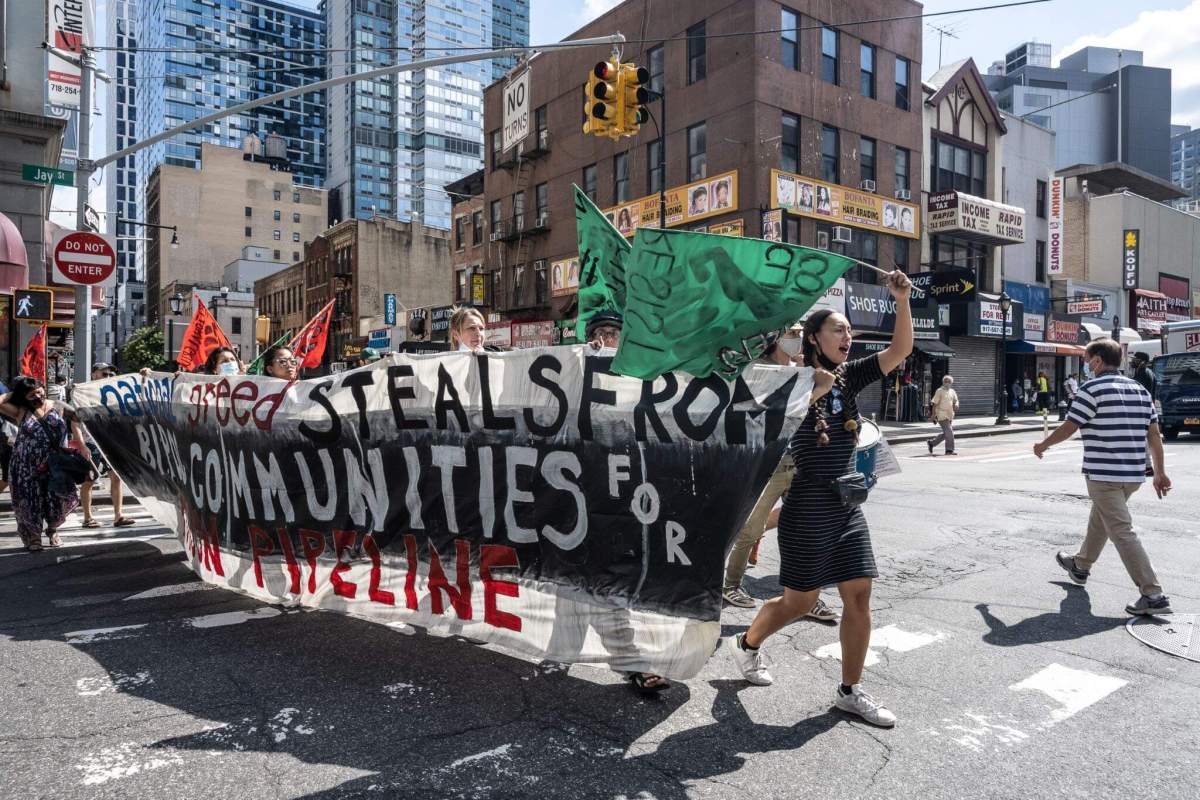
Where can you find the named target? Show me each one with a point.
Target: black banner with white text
(532, 498)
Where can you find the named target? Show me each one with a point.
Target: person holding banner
(466, 330)
(280, 362)
(223, 361)
(823, 535)
(783, 353)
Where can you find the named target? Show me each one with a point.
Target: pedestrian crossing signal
(602, 101)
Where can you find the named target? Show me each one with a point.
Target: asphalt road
(125, 677)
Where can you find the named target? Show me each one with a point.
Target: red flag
(309, 344)
(203, 335)
(33, 361)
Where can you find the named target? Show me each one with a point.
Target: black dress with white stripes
(821, 541)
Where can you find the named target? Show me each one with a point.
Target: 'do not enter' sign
(84, 258)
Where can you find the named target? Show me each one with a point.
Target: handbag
(68, 468)
(853, 489)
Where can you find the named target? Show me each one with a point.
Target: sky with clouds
(1167, 31)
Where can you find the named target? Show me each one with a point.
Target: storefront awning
(14, 261)
(1153, 295)
(934, 348)
(1047, 347)
(861, 348)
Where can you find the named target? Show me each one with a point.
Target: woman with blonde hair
(466, 330)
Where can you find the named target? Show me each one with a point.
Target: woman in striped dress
(822, 541)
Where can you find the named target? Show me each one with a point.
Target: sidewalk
(100, 498)
(964, 427)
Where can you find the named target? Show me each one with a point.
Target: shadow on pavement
(371, 711)
(1073, 620)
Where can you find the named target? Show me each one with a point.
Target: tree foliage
(144, 348)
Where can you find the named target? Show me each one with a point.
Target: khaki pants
(756, 524)
(946, 435)
(1111, 520)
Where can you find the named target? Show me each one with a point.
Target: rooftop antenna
(942, 33)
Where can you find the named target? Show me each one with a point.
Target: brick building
(280, 296)
(468, 236)
(813, 133)
(358, 261)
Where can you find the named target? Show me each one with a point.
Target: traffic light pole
(83, 175)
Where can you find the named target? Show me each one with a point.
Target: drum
(868, 447)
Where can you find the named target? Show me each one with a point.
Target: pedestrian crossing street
(74, 535)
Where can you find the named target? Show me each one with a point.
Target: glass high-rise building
(510, 28)
(396, 142)
(199, 57)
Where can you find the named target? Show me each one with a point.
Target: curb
(978, 433)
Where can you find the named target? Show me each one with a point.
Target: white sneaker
(750, 662)
(860, 703)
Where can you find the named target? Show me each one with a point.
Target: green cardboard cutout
(705, 303)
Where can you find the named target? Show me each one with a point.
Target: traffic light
(602, 101)
(633, 98)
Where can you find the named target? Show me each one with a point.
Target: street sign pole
(83, 176)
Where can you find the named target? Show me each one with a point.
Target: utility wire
(422, 50)
(1068, 100)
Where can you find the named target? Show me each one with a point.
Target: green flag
(257, 367)
(602, 255)
(705, 303)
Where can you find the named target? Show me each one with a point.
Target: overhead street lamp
(176, 303)
(174, 229)
(1005, 305)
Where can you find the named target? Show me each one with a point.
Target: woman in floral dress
(42, 425)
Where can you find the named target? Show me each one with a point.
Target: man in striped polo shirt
(1117, 420)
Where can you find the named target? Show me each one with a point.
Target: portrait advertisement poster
(533, 499)
(841, 205)
(686, 204)
(564, 277)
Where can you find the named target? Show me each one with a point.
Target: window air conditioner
(841, 234)
(903, 194)
(496, 236)
(867, 186)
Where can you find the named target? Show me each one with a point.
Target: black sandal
(641, 683)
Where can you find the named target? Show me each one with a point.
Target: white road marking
(174, 588)
(888, 637)
(978, 730)
(496, 752)
(1072, 689)
(103, 634)
(232, 617)
(123, 761)
(118, 681)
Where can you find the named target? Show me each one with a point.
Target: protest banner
(704, 303)
(33, 360)
(308, 345)
(533, 499)
(203, 335)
